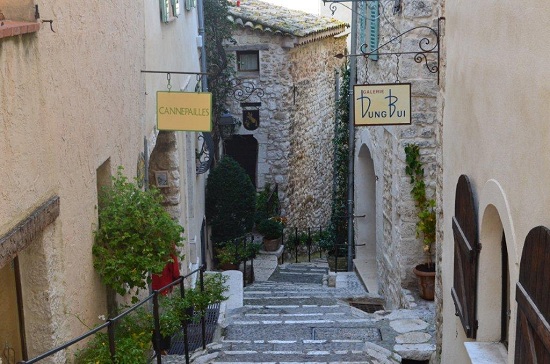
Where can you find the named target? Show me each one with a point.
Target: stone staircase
(295, 318)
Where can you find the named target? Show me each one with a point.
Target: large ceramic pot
(426, 280)
(271, 245)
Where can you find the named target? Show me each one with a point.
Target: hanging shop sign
(382, 104)
(184, 111)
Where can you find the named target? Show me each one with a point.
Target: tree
(230, 201)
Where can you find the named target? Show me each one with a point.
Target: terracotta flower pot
(229, 266)
(271, 245)
(426, 280)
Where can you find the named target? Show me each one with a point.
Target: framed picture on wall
(161, 179)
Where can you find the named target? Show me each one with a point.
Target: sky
(311, 6)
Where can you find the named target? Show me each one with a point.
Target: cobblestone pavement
(295, 317)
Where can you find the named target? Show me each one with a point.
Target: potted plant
(228, 257)
(426, 224)
(272, 230)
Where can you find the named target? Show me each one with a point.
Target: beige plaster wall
(18, 10)
(69, 101)
(496, 131)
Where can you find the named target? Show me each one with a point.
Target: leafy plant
(230, 201)
(337, 232)
(270, 229)
(234, 253)
(218, 32)
(135, 235)
(425, 227)
(133, 341)
(133, 334)
(266, 205)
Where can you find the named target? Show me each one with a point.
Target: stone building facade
(74, 105)
(297, 73)
(386, 214)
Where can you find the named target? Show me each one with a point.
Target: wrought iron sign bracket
(421, 55)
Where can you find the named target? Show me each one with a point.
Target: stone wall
(311, 159)
(296, 121)
(398, 248)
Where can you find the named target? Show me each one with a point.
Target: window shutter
(466, 253)
(164, 8)
(374, 17)
(190, 4)
(175, 7)
(533, 297)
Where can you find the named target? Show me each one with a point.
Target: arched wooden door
(533, 297)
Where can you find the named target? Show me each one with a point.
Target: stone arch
(365, 223)
(495, 222)
(165, 158)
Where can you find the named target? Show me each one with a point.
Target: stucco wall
(69, 101)
(496, 132)
(397, 247)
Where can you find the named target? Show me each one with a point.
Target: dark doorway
(244, 149)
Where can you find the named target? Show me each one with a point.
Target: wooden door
(533, 297)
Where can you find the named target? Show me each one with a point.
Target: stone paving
(301, 315)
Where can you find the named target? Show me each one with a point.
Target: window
(248, 61)
(169, 10)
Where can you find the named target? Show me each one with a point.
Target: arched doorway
(244, 149)
(365, 223)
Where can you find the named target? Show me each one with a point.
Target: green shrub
(135, 235)
(230, 201)
(270, 229)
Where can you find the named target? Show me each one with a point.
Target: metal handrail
(109, 324)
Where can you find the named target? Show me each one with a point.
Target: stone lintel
(27, 230)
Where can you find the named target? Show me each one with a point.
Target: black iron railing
(300, 242)
(111, 323)
(245, 251)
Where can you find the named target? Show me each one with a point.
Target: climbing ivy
(338, 227)
(218, 32)
(426, 224)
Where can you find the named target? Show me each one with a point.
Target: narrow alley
(296, 317)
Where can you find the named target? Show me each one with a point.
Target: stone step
(289, 301)
(272, 309)
(362, 353)
(293, 345)
(345, 329)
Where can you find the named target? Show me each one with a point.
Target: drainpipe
(200, 13)
(351, 164)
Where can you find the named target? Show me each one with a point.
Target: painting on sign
(382, 104)
(185, 111)
(251, 119)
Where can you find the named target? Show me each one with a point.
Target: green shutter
(374, 18)
(164, 10)
(175, 7)
(190, 4)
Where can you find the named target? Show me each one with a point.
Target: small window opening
(248, 61)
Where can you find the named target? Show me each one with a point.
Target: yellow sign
(382, 104)
(185, 111)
